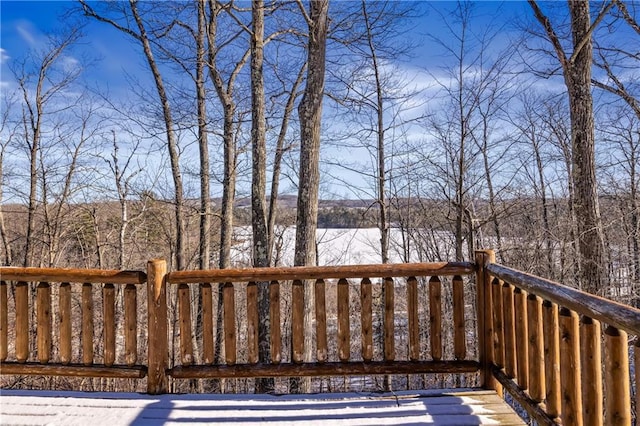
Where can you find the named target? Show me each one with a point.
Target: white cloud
(3, 55)
(25, 31)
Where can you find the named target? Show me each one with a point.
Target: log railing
(342, 284)
(42, 302)
(545, 348)
(561, 353)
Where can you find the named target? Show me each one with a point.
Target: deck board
(440, 407)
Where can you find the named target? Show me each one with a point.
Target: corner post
(157, 346)
(484, 306)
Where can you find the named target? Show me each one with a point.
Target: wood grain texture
(43, 319)
(64, 319)
(321, 320)
(591, 364)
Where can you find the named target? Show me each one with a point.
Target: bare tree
(576, 69)
(310, 113)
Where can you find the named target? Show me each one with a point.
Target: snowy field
(459, 407)
(348, 246)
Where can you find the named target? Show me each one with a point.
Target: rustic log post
(618, 398)
(484, 309)
(321, 321)
(22, 321)
(570, 378)
(636, 363)
(4, 323)
(435, 317)
(43, 294)
(552, 358)
(536, 348)
(64, 317)
(591, 364)
(414, 330)
(274, 321)
(522, 338)
(158, 347)
(366, 319)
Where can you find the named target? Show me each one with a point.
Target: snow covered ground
(459, 407)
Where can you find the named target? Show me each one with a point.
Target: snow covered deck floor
(442, 407)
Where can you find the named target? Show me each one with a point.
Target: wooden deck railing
(546, 350)
(538, 340)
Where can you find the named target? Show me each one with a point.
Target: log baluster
(522, 337)
(510, 355)
(591, 363)
(389, 320)
(130, 324)
(184, 311)
(552, 358)
(618, 399)
(87, 324)
(206, 292)
(4, 322)
(498, 327)
(229, 323)
(321, 321)
(297, 321)
(344, 332)
(43, 295)
(252, 322)
(570, 378)
(64, 318)
(109, 323)
(366, 319)
(22, 321)
(435, 317)
(274, 319)
(414, 328)
(536, 348)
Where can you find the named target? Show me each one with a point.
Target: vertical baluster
(43, 295)
(552, 358)
(522, 336)
(4, 322)
(459, 328)
(570, 380)
(274, 318)
(229, 320)
(591, 363)
(321, 321)
(536, 348)
(22, 321)
(435, 317)
(510, 359)
(389, 320)
(130, 324)
(184, 310)
(498, 327)
(297, 321)
(252, 322)
(344, 331)
(366, 319)
(87, 324)
(65, 322)
(207, 323)
(414, 328)
(618, 400)
(109, 321)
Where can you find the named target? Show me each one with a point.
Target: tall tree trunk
(259, 185)
(592, 271)
(310, 113)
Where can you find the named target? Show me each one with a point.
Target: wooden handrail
(617, 314)
(97, 276)
(325, 272)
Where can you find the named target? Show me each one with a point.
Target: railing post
(157, 348)
(484, 308)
